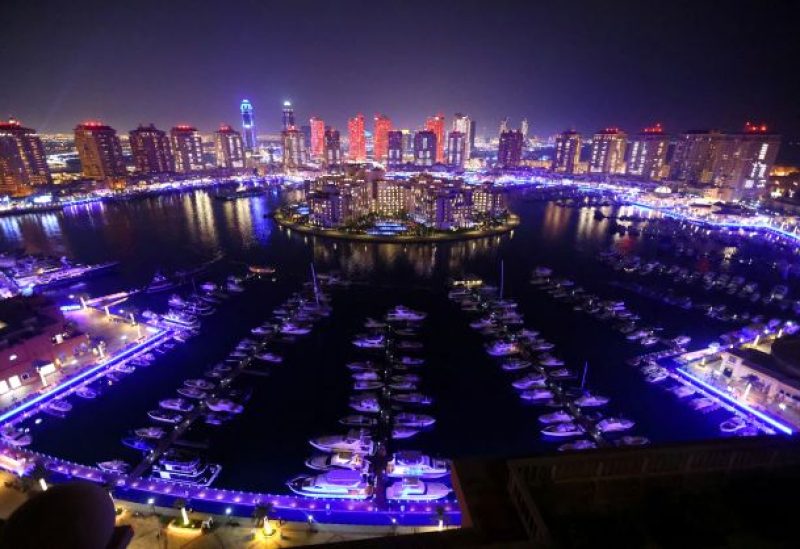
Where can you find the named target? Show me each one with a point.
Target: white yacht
(86, 392)
(290, 328)
(628, 440)
(657, 376)
(536, 395)
(372, 341)
(502, 348)
(414, 489)
(113, 466)
(403, 385)
(732, 425)
(400, 432)
(165, 416)
(357, 420)
(614, 424)
(177, 404)
(561, 373)
(367, 385)
(224, 405)
(366, 375)
(407, 419)
(365, 403)
(546, 359)
(515, 364)
(683, 391)
(185, 468)
(580, 444)
(701, 403)
(192, 392)
(567, 429)
(338, 483)
(357, 441)
(416, 464)
(150, 432)
(270, 357)
(59, 406)
(338, 460)
(589, 400)
(411, 361)
(559, 416)
(199, 383)
(373, 324)
(15, 437)
(402, 313)
(413, 398)
(535, 379)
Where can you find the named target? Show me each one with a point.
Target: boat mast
(585, 372)
(502, 277)
(314, 281)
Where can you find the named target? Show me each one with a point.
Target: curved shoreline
(510, 225)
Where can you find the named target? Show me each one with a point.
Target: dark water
(478, 413)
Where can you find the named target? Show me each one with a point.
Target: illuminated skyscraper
(464, 124)
(436, 125)
(567, 153)
(151, 150)
(456, 149)
(523, 128)
(187, 148)
(229, 147)
(647, 157)
(99, 150)
(292, 140)
(503, 125)
(288, 115)
(358, 143)
(248, 126)
(509, 149)
(395, 149)
(332, 148)
(696, 155)
(317, 137)
(742, 169)
(608, 152)
(22, 159)
(425, 147)
(383, 125)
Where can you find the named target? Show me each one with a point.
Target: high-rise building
(383, 125)
(305, 129)
(425, 147)
(23, 164)
(567, 153)
(358, 143)
(248, 126)
(292, 140)
(647, 157)
(695, 156)
(523, 127)
(187, 148)
(742, 168)
(464, 124)
(99, 150)
(288, 115)
(503, 125)
(332, 148)
(394, 149)
(509, 149)
(229, 147)
(436, 125)
(151, 150)
(456, 149)
(608, 152)
(317, 137)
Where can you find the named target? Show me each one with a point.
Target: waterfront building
(305, 131)
(288, 115)
(524, 129)
(389, 197)
(380, 136)
(317, 141)
(248, 126)
(456, 149)
(357, 151)
(608, 152)
(487, 199)
(187, 148)
(695, 156)
(152, 153)
(332, 148)
(23, 164)
(435, 124)
(425, 148)
(647, 157)
(509, 149)
(100, 151)
(464, 124)
(292, 141)
(395, 149)
(229, 148)
(742, 169)
(567, 152)
(503, 126)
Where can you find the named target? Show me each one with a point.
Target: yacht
(185, 468)
(177, 404)
(180, 320)
(414, 489)
(413, 398)
(535, 379)
(59, 406)
(356, 440)
(192, 392)
(683, 391)
(138, 443)
(208, 287)
(566, 429)
(649, 340)
(701, 403)
(150, 432)
(224, 405)
(515, 364)
(561, 373)
(580, 444)
(409, 345)
(416, 464)
(289, 328)
(365, 403)
(373, 324)
(403, 385)
(541, 345)
(629, 440)
(536, 395)
(502, 348)
(366, 375)
(589, 400)
(400, 432)
(374, 341)
(114, 466)
(549, 360)
(165, 416)
(402, 313)
(732, 425)
(86, 392)
(338, 483)
(159, 283)
(411, 361)
(125, 368)
(614, 424)
(361, 366)
(338, 460)
(357, 420)
(367, 385)
(270, 357)
(198, 383)
(177, 301)
(15, 437)
(657, 376)
(400, 378)
(559, 416)
(682, 340)
(407, 419)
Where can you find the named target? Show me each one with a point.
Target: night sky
(560, 64)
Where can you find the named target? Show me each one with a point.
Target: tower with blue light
(248, 126)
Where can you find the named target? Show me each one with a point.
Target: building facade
(23, 164)
(395, 149)
(435, 124)
(100, 151)
(425, 147)
(456, 149)
(332, 148)
(248, 126)
(357, 151)
(464, 124)
(509, 149)
(292, 140)
(608, 152)
(152, 153)
(288, 116)
(229, 148)
(647, 157)
(380, 135)
(187, 148)
(567, 153)
(317, 143)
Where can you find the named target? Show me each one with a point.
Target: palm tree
(440, 516)
(261, 514)
(181, 503)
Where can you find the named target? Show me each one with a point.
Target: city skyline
(680, 89)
